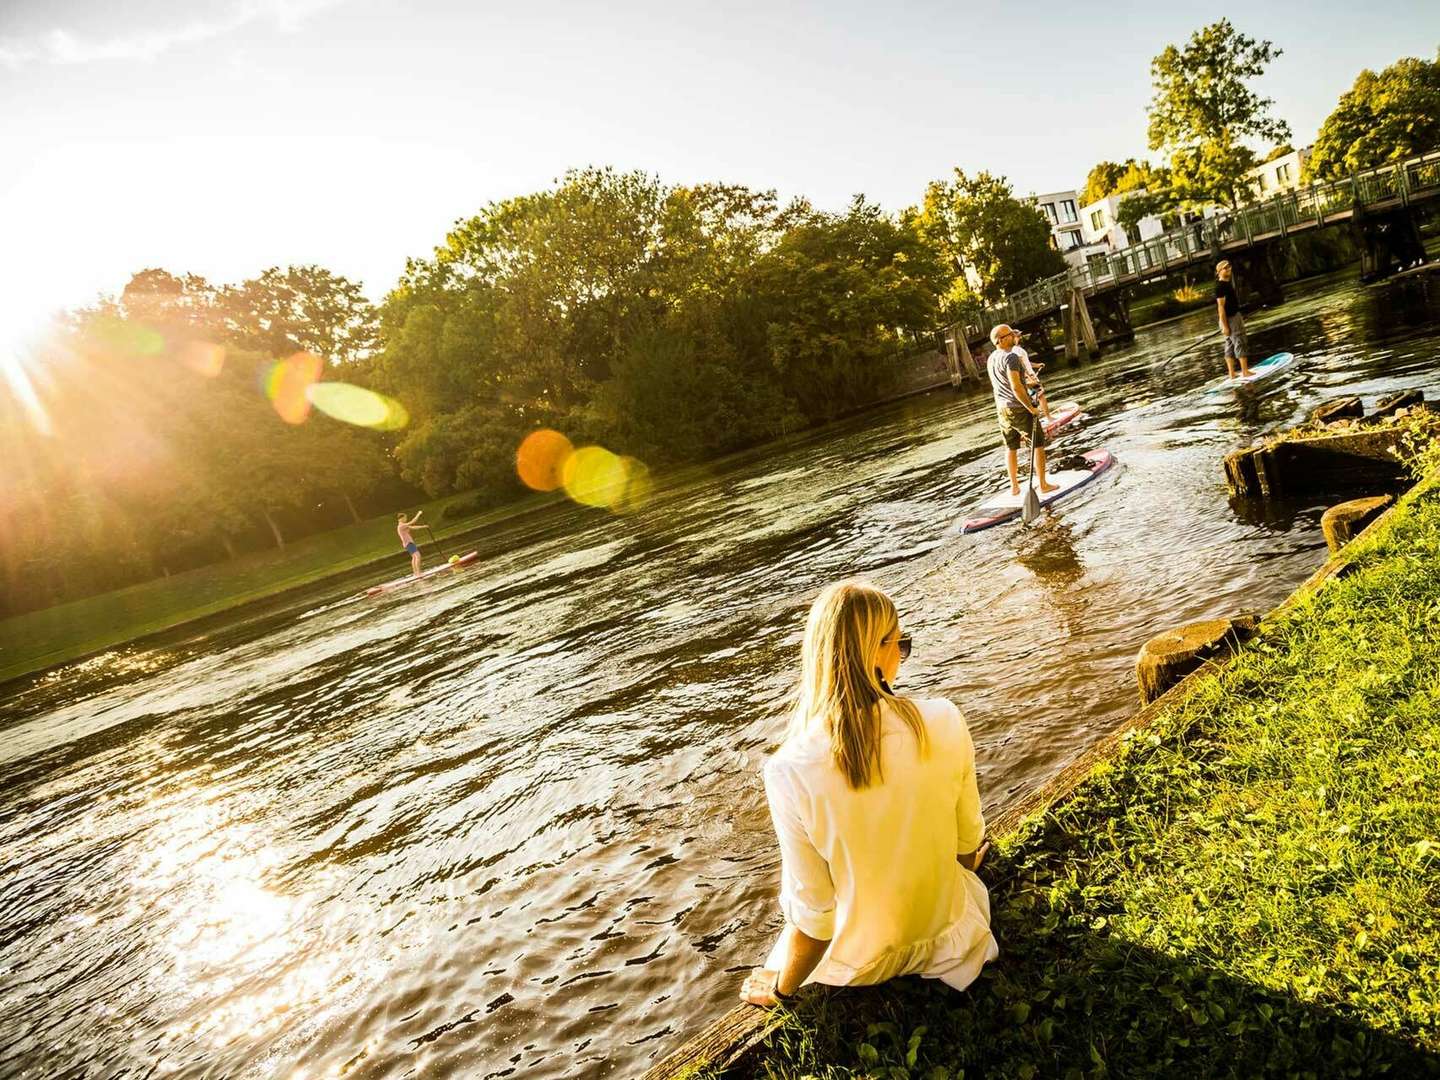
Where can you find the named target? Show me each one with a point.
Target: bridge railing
(1279, 214)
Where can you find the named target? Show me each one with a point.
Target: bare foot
(1045, 489)
(1014, 491)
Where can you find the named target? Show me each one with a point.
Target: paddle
(431, 531)
(1189, 348)
(1030, 507)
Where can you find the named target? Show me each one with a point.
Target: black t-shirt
(1225, 290)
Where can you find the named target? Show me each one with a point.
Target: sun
(19, 348)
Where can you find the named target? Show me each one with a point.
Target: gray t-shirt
(1000, 365)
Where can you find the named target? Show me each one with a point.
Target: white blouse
(874, 871)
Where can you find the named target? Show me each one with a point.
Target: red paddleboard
(1061, 414)
(1004, 507)
(410, 579)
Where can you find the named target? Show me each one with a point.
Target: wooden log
(718, 1046)
(1346, 408)
(1362, 461)
(1390, 404)
(1342, 523)
(1167, 658)
(1240, 474)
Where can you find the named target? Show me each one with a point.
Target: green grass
(54, 635)
(1250, 887)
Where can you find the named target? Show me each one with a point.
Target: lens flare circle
(595, 477)
(287, 383)
(639, 488)
(540, 460)
(357, 405)
(203, 358)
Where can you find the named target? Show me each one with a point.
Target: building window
(1067, 211)
(1049, 210)
(1097, 219)
(1263, 185)
(1282, 174)
(1073, 240)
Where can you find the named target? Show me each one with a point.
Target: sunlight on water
(513, 825)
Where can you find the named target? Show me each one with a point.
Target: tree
(1203, 112)
(300, 308)
(977, 225)
(1382, 118)
(1115, 178)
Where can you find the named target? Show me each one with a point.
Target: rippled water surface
(511, 823)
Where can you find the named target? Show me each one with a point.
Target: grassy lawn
(40, 639)
(1250, 888)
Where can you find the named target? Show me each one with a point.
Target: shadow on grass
(1067, 999)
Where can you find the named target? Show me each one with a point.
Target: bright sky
(221, 137)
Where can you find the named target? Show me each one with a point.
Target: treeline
(671, 323)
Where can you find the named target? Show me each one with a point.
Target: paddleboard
(1266, 367)
(1061, 414)
(410, 579)
(1006, 507)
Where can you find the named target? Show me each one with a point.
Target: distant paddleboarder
(1232, 323)
(1019, 417)
(407, 541)
(1032, 376)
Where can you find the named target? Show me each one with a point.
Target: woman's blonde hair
(840, 684)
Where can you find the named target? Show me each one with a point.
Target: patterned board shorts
(1015, 425)
(1236, 344)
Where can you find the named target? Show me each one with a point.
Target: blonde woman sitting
(878, 815)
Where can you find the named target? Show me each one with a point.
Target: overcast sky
(224, 136)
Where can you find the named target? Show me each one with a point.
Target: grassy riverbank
(40, 639)
(1250, 888)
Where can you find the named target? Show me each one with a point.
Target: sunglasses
(904, 644)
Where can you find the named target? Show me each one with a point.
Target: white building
(1099, 223)
(1066, 229)
(1282, 174)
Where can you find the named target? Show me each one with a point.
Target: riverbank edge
(735, 1044)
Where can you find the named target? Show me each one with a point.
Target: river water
(512, 824)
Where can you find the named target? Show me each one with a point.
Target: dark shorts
(1015, 426)
(411, 548)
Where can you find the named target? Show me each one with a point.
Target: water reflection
(513, 826)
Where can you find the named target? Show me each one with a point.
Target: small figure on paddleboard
(402, 529)
(1032, 376)
(1232, 322)
(1019, 416)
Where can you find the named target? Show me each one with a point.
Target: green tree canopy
(976, 223)
(1203, 112)
(299, 308)
(1382, 118)
(1116, 178)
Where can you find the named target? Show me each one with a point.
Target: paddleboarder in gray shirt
(1019, 417)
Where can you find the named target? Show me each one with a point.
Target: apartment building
(1282, 174)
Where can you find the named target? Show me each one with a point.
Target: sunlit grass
(1248, 889)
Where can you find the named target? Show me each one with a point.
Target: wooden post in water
(952, 355)
(1080, 316)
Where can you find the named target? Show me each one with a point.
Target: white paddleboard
(1004, 507)
(1266, 367)
(410, 579)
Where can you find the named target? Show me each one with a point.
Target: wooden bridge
(1378, 204)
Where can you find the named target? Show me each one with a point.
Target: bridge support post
(952, 357)
(1078, 327)
(1388, 241)
(1257, 276)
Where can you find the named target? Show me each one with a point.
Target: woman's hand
(759, 988)
(973, 860)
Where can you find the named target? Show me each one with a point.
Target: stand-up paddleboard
(1062, 413)
(1006, 507)
(410, 579)
(1266, 367)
